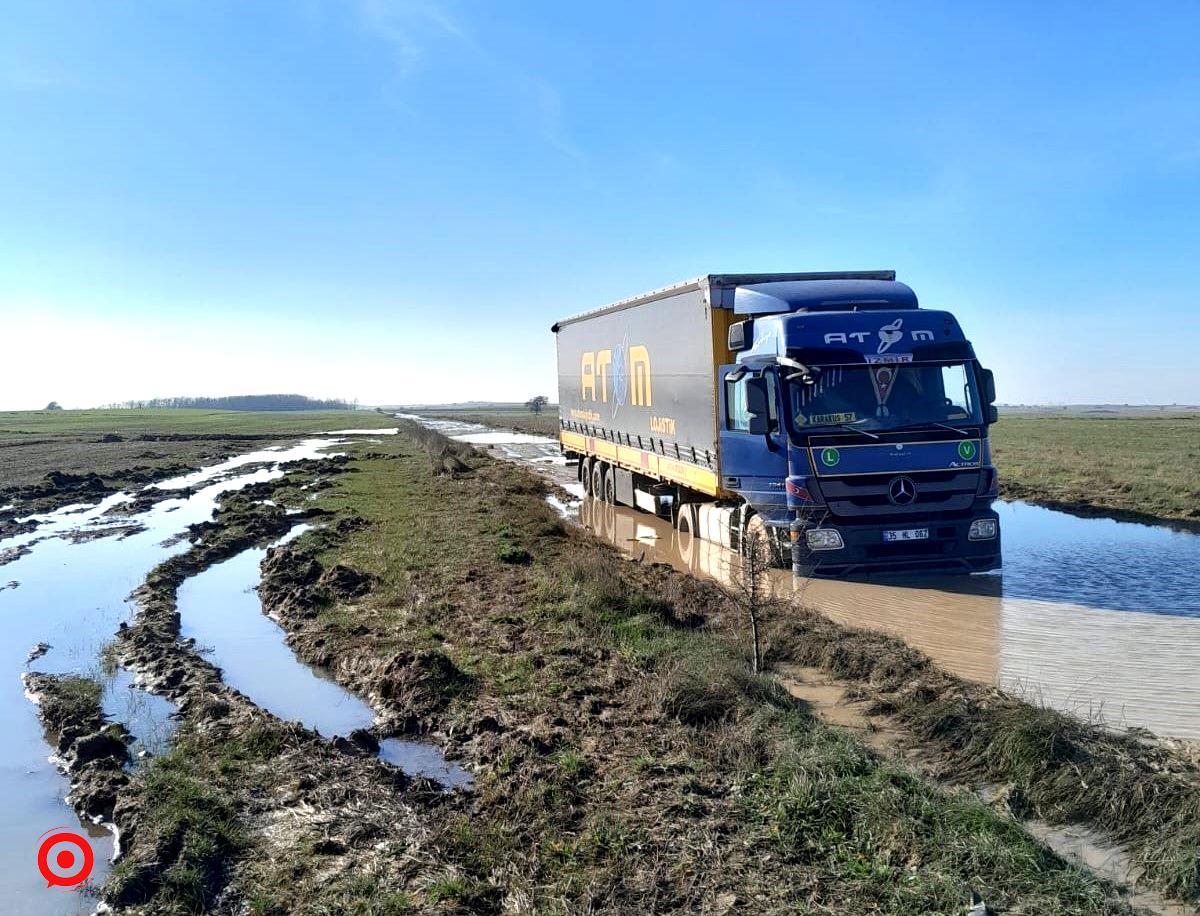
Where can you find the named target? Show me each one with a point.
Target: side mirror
(988, 382)
(757, 406)
(740, 336)
(993, 415)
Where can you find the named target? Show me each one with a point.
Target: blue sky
(393, 200)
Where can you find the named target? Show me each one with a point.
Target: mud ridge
(58, 489)
(89, 748)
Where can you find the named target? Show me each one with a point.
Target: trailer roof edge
(724, 280)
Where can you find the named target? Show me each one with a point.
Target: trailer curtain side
(637, 386)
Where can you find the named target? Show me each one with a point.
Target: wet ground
(1090, 615)
(64, 596)
(220, 609)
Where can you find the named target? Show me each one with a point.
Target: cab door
(753, 450)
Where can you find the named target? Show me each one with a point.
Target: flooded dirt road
(1094, 616)
(65, 590)
(68, 599)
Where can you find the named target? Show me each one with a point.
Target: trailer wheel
(585, 475)
(685, 526)
(598, 468)
(610, 486)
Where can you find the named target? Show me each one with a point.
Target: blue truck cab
(858, 422)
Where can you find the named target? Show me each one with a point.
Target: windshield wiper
(855, 429)
(961, 432)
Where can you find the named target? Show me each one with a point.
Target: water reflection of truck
(826, 411)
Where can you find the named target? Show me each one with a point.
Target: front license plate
(907, 534)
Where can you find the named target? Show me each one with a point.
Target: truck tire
(685, 533)
(757, 528)
(598, 469)
(610, 486)
(585, 475)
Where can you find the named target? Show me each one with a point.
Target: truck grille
(867, 494)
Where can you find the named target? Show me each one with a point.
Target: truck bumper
(948, 549)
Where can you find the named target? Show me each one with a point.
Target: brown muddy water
(64, 599)
(1097, 617)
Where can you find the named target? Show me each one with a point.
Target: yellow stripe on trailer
(643, 462)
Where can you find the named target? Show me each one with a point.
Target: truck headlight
(983, 529)
(824, 539)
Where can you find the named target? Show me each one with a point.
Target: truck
(826, 414)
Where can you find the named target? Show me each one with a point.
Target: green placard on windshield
(830, 457)
(966, 450)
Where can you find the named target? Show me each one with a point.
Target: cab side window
(737, 414)
(737, 417)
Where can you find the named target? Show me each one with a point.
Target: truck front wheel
(758, 530)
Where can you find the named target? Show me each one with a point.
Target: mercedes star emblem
(902, 491)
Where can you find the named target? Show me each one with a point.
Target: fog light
(824, 539)
(982, 529)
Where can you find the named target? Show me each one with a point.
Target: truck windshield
(885, 396)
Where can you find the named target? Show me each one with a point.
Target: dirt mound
(420, 683)
(91, 750)
(346, 582)
(59, 481)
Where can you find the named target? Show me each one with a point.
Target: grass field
(166, 421)
(1140, 467)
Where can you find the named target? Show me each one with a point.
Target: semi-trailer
(827, 412)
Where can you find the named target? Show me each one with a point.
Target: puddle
(221, 610)
(73, 596)
(1083, 847)
(364, 432)
(493, 437)
(546, 450)
(420, 759)
(568, 510)
(1068, 639)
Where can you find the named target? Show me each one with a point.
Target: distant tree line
(246, 402)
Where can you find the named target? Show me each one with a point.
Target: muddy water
(1075, 639)
(1094, 616)
(72, 595)
(221, 610)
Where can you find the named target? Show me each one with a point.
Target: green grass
(193, 811)
(1135, 466)
(168, 420)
